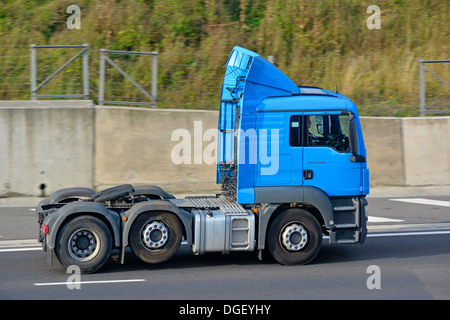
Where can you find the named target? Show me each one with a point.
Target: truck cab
(285, 137)
(280, 143)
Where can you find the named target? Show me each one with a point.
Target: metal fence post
(33, 72)
(86, 73)
(422, 88)
(101, 82)
(154, 78)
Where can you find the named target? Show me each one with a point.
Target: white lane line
(19, 245)
(402, 234)
(424, 201)
(20, 249)
(87, 282)
(381, 219)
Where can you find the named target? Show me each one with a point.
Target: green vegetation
(315, 42)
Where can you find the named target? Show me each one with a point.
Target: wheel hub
(83, 245)
(155, 234)
(294, 237)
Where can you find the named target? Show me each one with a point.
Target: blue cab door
(326, 154)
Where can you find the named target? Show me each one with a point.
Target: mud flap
(50, 257)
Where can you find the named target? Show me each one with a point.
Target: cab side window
(327, 131)
(320, 131)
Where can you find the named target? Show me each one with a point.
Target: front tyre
(84, 241)
(295, 237)
(155, 236)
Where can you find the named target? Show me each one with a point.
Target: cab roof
(309, 99)
(256, 85)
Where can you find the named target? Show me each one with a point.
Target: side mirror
(353, 142)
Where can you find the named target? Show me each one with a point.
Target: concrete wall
(408, 151)
(426, 145)
(48, 143)
(384, 144)
(73, 143)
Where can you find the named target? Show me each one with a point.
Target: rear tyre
(84, 241)
(155, 236)
(295, 237)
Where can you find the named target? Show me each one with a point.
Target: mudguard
(63, 194)
(55, 221)
(155, 205)
(298, 194)
(321, 201)
(152, 190)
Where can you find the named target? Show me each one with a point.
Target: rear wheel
(155, 236)
(295, 237)
(84, 241)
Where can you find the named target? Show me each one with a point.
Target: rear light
(45, 228)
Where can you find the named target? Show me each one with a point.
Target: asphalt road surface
(406, 256)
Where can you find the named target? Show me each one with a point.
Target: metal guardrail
(18, 79)
(151, 96)
(422, 69)
(35, 87)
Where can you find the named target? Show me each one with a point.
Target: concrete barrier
(426, 151)
(60, 144)
(45, 146)
(383, 139)
(408, 152)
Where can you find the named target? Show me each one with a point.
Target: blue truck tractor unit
(291, 163)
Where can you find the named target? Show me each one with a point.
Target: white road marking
(424, 201)
(402, 234)
(87, 282)
(381, 219)
(19, 243)
(20, 249)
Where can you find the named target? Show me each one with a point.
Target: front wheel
(295, 237)
(84, 241)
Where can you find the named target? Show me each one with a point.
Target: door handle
(307, 174)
